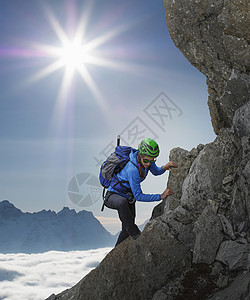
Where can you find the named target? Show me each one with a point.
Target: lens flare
(73, 55)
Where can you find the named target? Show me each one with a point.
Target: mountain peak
(5, 202)
(47, 230)
(8, 210)
(66, 211)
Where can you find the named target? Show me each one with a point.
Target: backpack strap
(103, 197)
(124, 190)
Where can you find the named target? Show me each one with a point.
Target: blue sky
(55, 125)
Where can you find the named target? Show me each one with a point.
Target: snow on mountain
(47, 230)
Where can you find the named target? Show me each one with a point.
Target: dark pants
(126, 212)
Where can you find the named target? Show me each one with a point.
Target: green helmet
(148, 147)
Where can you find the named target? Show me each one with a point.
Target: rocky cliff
(214, 37)
(197, 244)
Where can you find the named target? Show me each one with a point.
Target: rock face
(197, 244)
(214, 36)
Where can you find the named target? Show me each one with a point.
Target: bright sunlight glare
(73, 55)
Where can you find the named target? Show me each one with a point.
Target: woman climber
(129, 179)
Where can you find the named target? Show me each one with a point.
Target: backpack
(112, 166)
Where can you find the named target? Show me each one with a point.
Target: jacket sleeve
(135, 184)
(156, 170)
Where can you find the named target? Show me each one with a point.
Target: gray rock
(214, 205)
(133, 267)
(200, 147)
(222, 282)
(241, 127)
(216, 268)
(184, 160)
(180, 225)
(182, 215)
(210, 167)
(194, 283)
(238, 289)
(227, 183)
(228, 179)
(170, 291)
(160, 295)
(234, 254)
(227, 226)
(240, 208)
(214, 36)
(208, 237)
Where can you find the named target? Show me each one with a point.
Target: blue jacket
(130, 173)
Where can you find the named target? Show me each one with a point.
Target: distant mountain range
(47, 230)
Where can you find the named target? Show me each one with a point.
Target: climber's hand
(166, 193)
(170, 165)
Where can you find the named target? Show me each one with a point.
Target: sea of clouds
(37, 276)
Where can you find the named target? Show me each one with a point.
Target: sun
(73, 55)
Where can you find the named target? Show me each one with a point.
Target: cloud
(37, 276)
(8, 275)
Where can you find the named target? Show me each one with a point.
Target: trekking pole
(118, 140)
